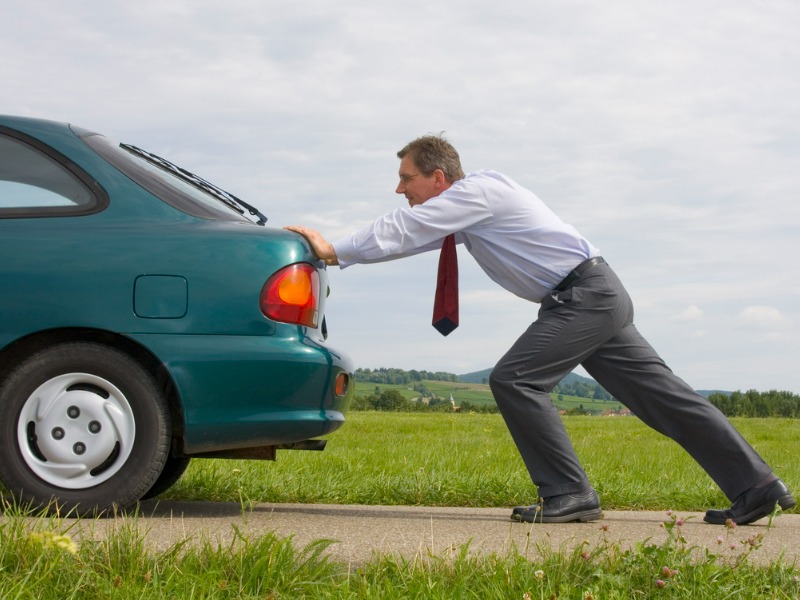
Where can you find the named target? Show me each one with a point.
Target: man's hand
(322, 247)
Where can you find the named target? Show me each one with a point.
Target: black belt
(577, 272)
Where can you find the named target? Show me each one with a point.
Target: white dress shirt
(515, 238)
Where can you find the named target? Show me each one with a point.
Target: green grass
(442, 459)
(429, 459)
(40, 561)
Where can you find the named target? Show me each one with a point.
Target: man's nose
(401, 188)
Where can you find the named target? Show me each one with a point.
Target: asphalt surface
(358, 532)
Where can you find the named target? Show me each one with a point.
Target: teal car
(147, 317)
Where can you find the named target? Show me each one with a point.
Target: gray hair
(431, 152)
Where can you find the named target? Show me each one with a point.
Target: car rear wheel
(83, 430)
(173, 469)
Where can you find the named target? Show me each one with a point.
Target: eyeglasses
(407, 178)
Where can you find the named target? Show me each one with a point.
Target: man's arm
(322, 247)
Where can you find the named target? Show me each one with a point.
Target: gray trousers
(591, 324)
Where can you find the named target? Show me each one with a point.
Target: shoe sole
(765, 510)
(581, 517)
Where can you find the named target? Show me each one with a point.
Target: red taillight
(292, 295)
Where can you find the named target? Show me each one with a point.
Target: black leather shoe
(566, 508)
(754, 504)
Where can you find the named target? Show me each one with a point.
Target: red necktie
(445, 305)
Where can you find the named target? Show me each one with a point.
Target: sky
(667, 133)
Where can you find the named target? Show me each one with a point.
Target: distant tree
(399, 376)
(422, 389)
(361, 403)
(391, 400)
(752, 403)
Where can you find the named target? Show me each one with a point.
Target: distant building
(622, 412)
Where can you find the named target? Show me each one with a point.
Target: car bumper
(251, 391)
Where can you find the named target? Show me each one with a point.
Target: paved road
(359, 531)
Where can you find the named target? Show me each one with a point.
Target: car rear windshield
(175, 186)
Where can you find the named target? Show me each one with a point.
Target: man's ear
(440, 180)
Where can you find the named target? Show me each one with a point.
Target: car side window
(34, 183)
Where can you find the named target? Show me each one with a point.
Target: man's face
(416, 187)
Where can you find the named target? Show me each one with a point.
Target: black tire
(84, 430)
(173, 469)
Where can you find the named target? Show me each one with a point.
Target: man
(585, 318)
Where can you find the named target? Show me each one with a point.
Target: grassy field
(441, 459)
(428, 459)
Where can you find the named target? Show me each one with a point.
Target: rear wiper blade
(227, 198)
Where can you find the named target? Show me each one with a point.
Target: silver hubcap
(76, 430)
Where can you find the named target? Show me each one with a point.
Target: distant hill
(475, 377)
(569, 382)
(483, 377)
(571, 385)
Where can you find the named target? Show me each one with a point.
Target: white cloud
(761, 317)
(690, 313)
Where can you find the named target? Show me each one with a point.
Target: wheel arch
(16, 352)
